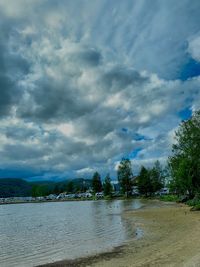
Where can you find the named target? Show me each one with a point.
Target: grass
(194, 203)
(196, 207)
(170, 198)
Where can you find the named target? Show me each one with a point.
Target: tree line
(148, 180)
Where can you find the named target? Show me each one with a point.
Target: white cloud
(194, 48)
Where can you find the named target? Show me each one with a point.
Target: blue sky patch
(125, 130)
(140, 137)
(134, 153)
(190, 69)
(185, 114)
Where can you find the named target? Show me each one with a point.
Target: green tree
(56, 190)
(181, 182)
(144, 182)
(39, 190)
(124, 174)
(107, 187)
(70, 187)
(185, 161)
(156, 177)
(96, 183)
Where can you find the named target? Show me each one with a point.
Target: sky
(84, 83)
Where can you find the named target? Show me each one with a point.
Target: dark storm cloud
(7, 91)
(20, 133)
(50, 101)
(21, 152)
(119, 77)
(6, 84)
(87, 57)
(12, 66)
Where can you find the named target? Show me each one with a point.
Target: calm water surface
(32, 234)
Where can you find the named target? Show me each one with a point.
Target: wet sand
(171, 237)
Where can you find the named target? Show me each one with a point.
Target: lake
(38, 233)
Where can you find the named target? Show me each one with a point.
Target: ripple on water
(35, 234)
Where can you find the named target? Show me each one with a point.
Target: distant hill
(78, 184)
(12, 187)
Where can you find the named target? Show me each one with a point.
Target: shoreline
(64, 200)
(45, 201)
(84, 261)
(171, 238)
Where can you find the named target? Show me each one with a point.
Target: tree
(185, 160)
(39, 190)
(150, 180)
(96, 182)
(124, 174)
(56, 190)
(144, 182)
(70, 187)
(181, 182)
(107, 187)
(156, 177)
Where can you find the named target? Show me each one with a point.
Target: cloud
(72, 79)
(194, 47)
(12, 67)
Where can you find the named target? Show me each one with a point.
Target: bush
(193, 202)
(196, 207)
(171, 198)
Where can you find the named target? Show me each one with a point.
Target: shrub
(196, 207)
(171, 198)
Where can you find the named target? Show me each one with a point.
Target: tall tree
(70, 188)
(157, 177)
(185, 161)
(107, 186)
(56, 190)
(144, 182)
(124, 174)
(39, 190)
(96, 182)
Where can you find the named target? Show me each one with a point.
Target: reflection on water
(32, 234)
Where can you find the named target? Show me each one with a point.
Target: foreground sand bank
(171, 238)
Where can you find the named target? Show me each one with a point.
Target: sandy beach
(171, 237)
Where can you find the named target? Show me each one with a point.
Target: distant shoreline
(44, 201)
(63, 200)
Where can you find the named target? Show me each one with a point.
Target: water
(32, 234)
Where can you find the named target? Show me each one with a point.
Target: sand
(171, 237)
